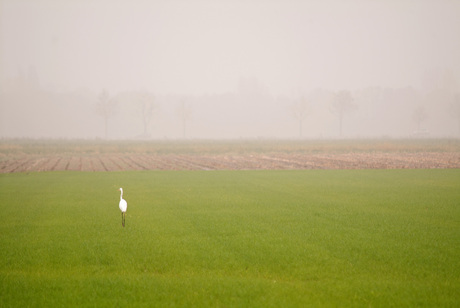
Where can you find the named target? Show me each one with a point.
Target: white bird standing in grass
(123, 205)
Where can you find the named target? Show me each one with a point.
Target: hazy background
(229, 69)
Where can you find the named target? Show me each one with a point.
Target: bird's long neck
(121, 195)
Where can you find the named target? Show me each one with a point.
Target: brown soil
(228, 161)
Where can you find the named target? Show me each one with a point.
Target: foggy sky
(239, 65)
(196, 47)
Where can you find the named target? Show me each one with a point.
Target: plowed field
(33, 156)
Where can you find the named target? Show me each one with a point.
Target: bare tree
(419, 116)
(184, 112)
(342, 103)
(300, 111)
(455, 109)
(146, 109)
(106, 107)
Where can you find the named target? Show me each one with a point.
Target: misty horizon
(237, 69)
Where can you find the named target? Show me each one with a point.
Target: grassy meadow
(231, 239)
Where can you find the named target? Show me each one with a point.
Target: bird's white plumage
(123, 205)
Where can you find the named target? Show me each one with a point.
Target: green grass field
(231, 239)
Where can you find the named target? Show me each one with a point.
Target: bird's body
(123, 205)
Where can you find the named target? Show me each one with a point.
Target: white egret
(123, 205)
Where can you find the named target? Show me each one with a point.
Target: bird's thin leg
(122, 222)
(124, 219)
